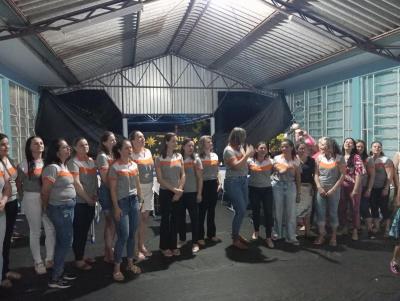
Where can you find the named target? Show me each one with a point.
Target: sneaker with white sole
(61, 283)
(69, 276)
(40, 268)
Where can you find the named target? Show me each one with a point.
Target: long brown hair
(167, 138)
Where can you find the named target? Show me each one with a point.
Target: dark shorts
(105, 198)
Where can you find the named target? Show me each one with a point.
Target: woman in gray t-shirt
(235, 158)
(192, 192)
(83, 169)
(171, 176)
(58, 197)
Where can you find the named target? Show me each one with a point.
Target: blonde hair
(237, 136)
(202, 145)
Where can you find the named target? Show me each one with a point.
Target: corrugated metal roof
(213, 33)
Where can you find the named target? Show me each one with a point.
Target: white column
(125, 127)
(212, 126)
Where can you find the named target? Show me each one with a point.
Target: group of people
(306, 183)
(311, 182)
(59, 188)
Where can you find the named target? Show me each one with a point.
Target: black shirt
(307, 170)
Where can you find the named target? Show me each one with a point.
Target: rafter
(72, 19)
(179, 43)
(37, 45)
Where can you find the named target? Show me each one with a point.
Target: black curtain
(70, 116)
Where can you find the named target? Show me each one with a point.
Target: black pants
(262, 197)
(207, 207)
(168, 226)
(376, 202)
(83, 217)
(189, 202)
(11, 210)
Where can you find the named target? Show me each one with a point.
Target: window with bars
(22, 118)
(325, 111)
(380, 102)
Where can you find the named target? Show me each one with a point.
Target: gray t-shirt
(87, 171)
(145, 163)
(380, 172)
(30, 183)
(230, 155)
(329, 170)
(63, 190)
(210, 167)
(11, 170)
(126, 175)
(284, 170)
(170, 169)
(368, 163)
(103, 161)
(260, 172)
(190, 174)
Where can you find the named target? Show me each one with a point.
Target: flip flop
(118, 276)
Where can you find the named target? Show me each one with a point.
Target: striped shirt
(190, 173)
(31, 183)
(87, 172)
(229, 156)
(380, 171)
(284, 170)
(210, 167)
(12, 173)
(145, 163)
(170, 169)
(63, 189)
(260, 172)
(329, 170)
(125, 175)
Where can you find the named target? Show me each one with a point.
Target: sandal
(6, 283)
(269, 243)
(215, 239)
(333, 243)
(167, 253)
(255, 236)
(134, 269)
(394, 268)
(319, 241)
(243, 240)
(89, 260)
(118, 276)
(201, 242)
(239, 245)
(146, 252)
(83, 266)
(13, 275)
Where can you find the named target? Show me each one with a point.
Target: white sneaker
(40, 268)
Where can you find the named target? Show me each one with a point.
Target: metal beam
(268, 23)
(69, 20)
(37, 45)
(179, 44)
(181, 24)
(138, 15)
(360, 42)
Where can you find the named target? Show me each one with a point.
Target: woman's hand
(322, 192)
(199, 198)
(385, 191)
(117, 213)
(3, 203)
(367, 193)
(354, 193)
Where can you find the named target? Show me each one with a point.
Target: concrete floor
(352, 271)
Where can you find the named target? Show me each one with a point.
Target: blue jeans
(285, 209)
(332, 202)
(238, 192)
(62, 217)
(126, 227)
